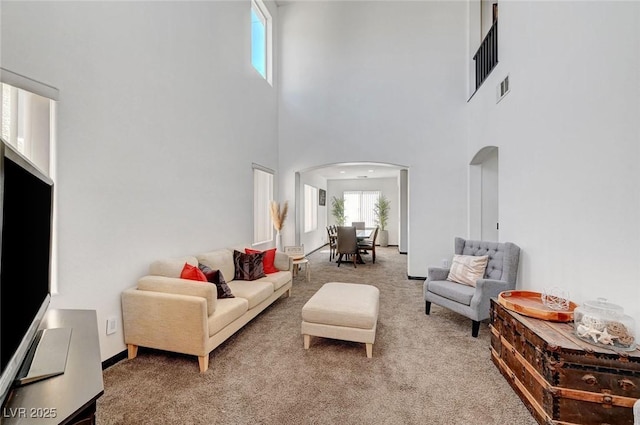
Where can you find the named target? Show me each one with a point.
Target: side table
(296, 267)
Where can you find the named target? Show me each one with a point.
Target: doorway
(483, 195)
(334, 179)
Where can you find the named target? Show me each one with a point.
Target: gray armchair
(500, 275)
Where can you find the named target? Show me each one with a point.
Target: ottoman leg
(307, 340)
(369, 350)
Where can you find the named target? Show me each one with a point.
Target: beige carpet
(424, 370)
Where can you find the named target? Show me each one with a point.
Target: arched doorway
(483, 195)
(333, 178)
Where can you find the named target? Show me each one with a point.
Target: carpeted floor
(424, 370)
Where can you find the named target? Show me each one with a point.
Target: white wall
(389, 188)
(380, 82)
(569, 141)
(160, 118)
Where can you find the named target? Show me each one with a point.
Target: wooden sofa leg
(132, 351)
(427, 307)
(475, 328)
(203, 361)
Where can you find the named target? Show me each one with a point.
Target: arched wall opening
(335, 178)
(483, 195)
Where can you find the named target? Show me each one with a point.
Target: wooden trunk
(560, 378)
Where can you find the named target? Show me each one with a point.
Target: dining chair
(347, 244)
(359, 225)
(332, 237)
(370, 244)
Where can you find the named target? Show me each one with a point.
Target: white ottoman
(346, 311)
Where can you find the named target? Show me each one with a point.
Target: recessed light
(372, 171)
(342, 172)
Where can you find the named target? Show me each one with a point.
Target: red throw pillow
(192, 273)
(267, 261)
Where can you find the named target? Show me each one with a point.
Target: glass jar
(605, 324)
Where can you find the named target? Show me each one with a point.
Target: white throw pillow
(466, 269)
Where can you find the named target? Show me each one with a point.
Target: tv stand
(69, 397)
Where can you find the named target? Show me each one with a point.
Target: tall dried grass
(279, 215)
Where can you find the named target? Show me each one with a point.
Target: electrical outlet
(112, 324)
(445, 263)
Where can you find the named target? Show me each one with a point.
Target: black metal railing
(487, 55)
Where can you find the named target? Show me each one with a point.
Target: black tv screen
(25, 257)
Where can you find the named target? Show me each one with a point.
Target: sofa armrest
(282, 261)
(485, 290)
(174, 285)
(165, 321)
(437, 273)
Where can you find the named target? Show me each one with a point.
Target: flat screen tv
(26, 206)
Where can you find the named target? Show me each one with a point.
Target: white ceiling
(360, 170)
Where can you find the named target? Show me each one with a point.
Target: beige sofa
(185, 316)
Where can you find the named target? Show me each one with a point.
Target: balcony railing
(487, 55)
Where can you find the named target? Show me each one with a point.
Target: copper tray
(530, 304)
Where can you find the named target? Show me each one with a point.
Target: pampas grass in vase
(278, 216)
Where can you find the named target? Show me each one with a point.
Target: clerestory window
(261, 39)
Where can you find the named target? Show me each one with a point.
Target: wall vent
(502, 89)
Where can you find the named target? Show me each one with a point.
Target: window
(310, 208)
(28, 123)
(262, 196)
(261, 39)
(358, 206)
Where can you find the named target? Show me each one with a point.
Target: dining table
(362, 234)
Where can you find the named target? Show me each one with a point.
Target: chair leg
(374, 255)
(475, 327)
(339, 259)
(427, 307)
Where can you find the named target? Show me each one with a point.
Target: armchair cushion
(455, 292)
(466, 269)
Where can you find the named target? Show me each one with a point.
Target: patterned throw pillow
(269, 258)
(466, 269)
(192, 273)
(215, 277)
(248, 266)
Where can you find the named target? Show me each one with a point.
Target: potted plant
(381, 211)
(337, 210)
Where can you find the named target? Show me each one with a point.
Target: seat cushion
(343, 304)
(253, 291)
(457, 292)
(227, 310)
(278, 279)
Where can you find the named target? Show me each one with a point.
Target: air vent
(502, 89)
(362, 177)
